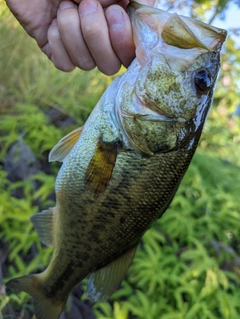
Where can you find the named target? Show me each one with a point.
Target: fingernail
(87, 6)
(115, 18)
(66, 5)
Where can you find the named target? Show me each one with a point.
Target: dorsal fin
(104, 282)
(99, 170)
(64, 146)
(44, 225)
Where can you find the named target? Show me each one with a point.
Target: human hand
(91, 33)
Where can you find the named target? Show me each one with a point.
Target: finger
(150, 3)
(59, 55)
(106, 3)
(95, 32)
(120, 32)
(124, 3)
(71, 35)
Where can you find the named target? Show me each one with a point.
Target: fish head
(177, 65)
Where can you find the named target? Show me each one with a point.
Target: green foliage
(35, 101)
(187, 265)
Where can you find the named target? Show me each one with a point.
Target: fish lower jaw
(148, 116)
(145, 110)
(153, 112)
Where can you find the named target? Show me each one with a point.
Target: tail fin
(44, 308)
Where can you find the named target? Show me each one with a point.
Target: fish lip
(153, 116)
(201, 36)
(165, 115)
(160, 115)
(151, 110)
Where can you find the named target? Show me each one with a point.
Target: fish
(122, 169)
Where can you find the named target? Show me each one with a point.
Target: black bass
(121, 170)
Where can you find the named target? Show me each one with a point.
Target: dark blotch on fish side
(62, 279)
(122, 220)
(79, 264)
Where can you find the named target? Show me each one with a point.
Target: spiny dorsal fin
(44, 225)
(104, 282)
(64, 146)
(100, 168)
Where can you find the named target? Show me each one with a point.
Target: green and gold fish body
(121, 170)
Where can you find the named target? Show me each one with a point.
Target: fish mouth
(180, 39)
(157, 114)
(177, 30)
(146, 111)
(150, 116)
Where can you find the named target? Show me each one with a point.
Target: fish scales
(122, 169)
(134, 225)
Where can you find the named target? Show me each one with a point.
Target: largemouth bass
(121, 170)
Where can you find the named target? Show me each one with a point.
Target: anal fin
(99, 170)
(44, 225)
(64, 146)
(104, 282)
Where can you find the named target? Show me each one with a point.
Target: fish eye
(203, 80)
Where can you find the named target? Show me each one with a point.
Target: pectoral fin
(100, 168)
(64, 146)
(104, 282)
(44, 225)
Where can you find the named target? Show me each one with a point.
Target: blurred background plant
(188, 265)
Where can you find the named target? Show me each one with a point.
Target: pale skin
(84, 34)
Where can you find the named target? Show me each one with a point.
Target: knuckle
(92, 31)
(67, 18)
(53, 33)
(109, 69)
(121, 38)
(123, 43)
(86, 65)
(65, 67)
(84, 61)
